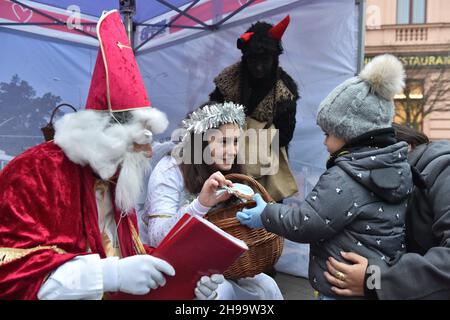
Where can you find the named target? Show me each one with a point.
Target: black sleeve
(285, 120)
(216, 95)
(416, 277)
(319, 216)
(424, 277)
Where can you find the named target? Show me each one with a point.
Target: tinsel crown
(213, 116)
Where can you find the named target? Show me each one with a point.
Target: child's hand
(252, 217)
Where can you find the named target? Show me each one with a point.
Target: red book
(194, 247)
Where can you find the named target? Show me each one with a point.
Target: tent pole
(57, 21)
(361, 33)
(128, 9)
(169, 24)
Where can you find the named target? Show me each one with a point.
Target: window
(418, 11)
(403, 11)
(413, 90)
(409, 104)
(411, 11)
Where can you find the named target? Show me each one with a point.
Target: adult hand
(207, 196)
(135, 275)
(347, 279)
(252, 217)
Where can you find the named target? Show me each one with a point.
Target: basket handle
(57, 108)
(253, 183)
(48, 130)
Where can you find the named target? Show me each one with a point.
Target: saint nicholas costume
(58, 214)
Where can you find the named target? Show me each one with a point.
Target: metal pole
(234, 13)
(128, 9)
(184, 13)
(59, 22)
(180, 14)
(361, 33)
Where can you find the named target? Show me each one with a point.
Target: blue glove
(252, 217)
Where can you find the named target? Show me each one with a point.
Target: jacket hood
(436, 154)
(383, 171)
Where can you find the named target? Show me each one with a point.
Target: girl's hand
(207, 196)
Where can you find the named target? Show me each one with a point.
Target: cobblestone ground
(294, 288)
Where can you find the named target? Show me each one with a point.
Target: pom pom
(385, 74)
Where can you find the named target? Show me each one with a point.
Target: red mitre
(116, 84)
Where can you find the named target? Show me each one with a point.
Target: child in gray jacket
(359, 203)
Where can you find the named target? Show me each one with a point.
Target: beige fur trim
(228, 82)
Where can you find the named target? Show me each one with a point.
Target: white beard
(88, 138)
(130, 184)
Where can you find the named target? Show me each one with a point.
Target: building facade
(418, 32)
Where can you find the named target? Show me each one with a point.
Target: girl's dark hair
(195, 174)
(409, 135)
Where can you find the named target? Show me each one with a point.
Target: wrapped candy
(241, 191)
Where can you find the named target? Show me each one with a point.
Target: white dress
(167, 200)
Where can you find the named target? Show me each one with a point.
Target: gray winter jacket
(424, 272)
(357, 205)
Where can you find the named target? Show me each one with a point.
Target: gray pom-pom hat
(365, 102)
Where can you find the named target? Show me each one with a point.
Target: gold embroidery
(110, 250)
(106, 296)
(121, 45)
(108, 97)
(137, 241)
(11, 254)
(154, 216)
(103, 185)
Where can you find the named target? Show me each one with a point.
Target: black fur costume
(272, 99)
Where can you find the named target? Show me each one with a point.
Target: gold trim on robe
(11, 254)
(139, 247)
(154, 216)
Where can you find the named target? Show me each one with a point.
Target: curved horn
(277, 31)
(246, 36)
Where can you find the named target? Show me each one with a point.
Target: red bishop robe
(48, 215)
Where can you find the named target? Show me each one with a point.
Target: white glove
(135, 275)
(207, 287)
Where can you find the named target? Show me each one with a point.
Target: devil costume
(271, 98)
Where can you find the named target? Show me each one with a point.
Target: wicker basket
(264, 247)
